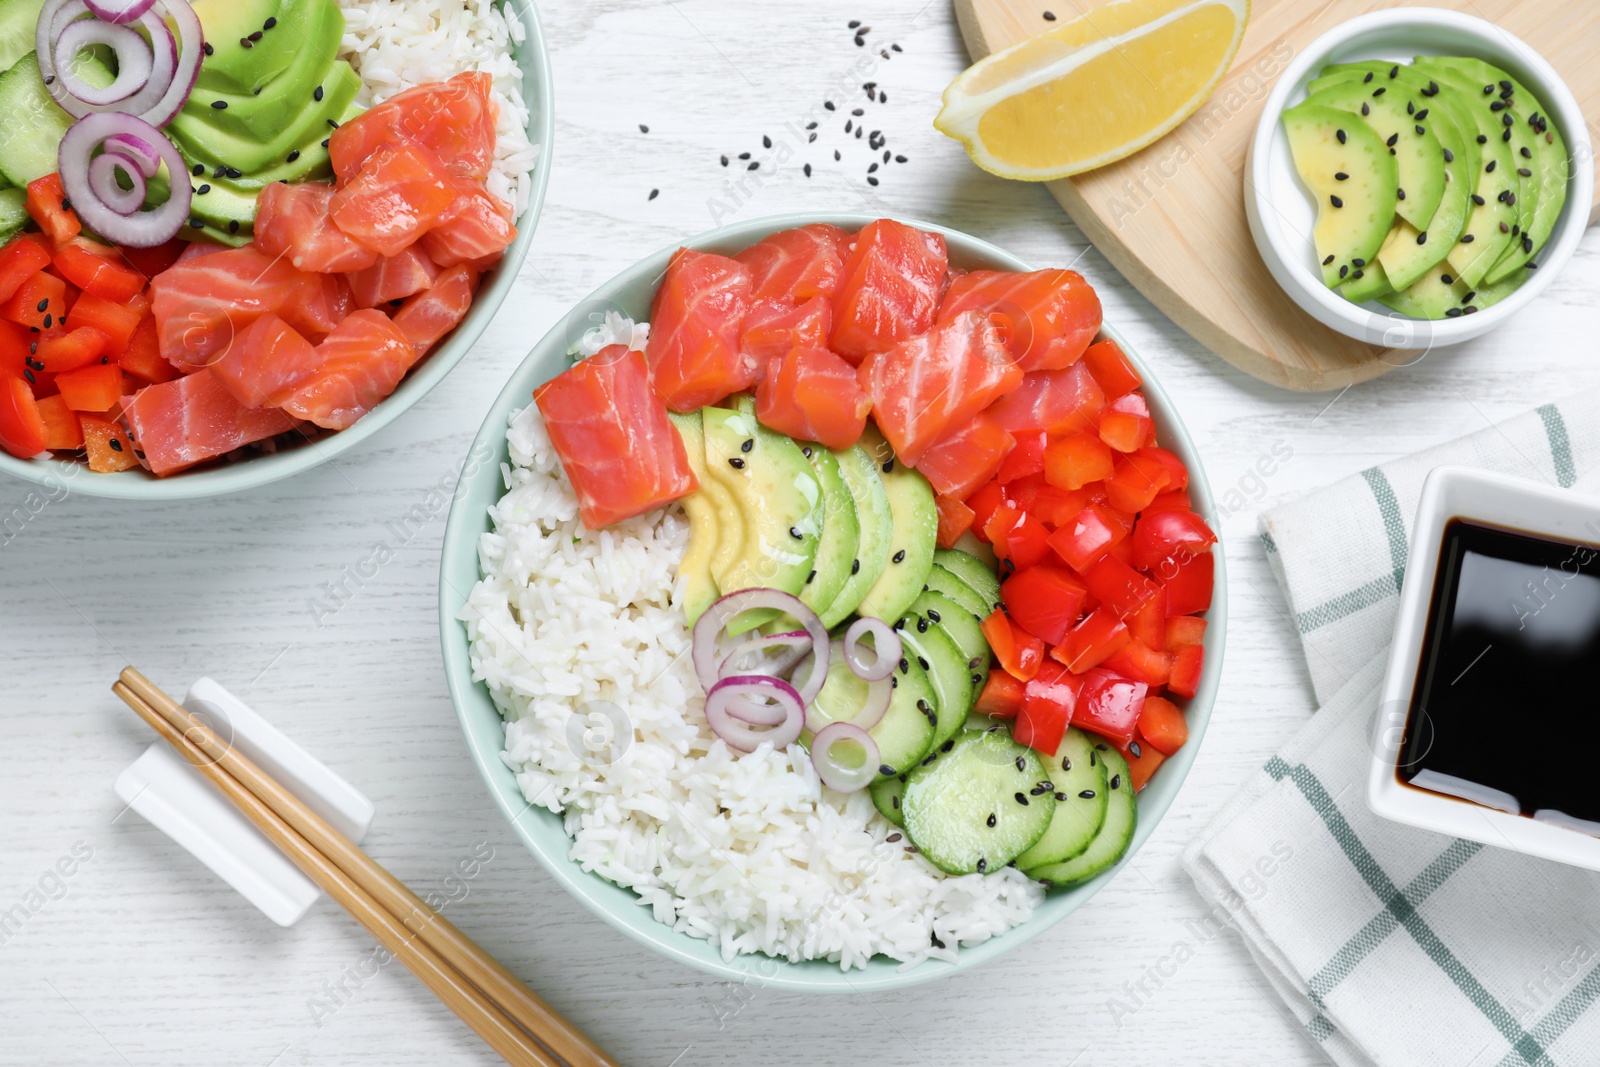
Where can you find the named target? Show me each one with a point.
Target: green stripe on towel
(1393, 522)
(1555, 427)
(1374, 592)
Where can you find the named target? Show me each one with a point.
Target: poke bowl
(290, 317)
(707, 823)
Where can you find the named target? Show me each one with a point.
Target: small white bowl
(1282, 213)
(1492, 500)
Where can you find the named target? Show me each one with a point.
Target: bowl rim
(533, 58)
(1283, 254)
(483, 730)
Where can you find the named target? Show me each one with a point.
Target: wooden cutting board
(1171, 217)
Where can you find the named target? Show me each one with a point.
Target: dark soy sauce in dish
(1508, 670)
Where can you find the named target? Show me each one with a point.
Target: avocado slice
(1349, 170)
(203, 142)
(260, 111)
(916, 529)
(1419, 158)
(776, 490)
(875, 524)
(696, 590)
(233, 68)
(841, 532)
(1440, 295)
(1371, 281)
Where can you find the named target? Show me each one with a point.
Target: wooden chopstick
(513, 1020)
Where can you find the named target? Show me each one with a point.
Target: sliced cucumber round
(943, 582)
(905, 733)
(1081, 800)
(14, 215)
(979, 576)
(978, 803)
(886, 796)
(947, 669)
(935, 610)
(1115, 834)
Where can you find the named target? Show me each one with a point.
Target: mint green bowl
(219, 479)
(481, 485)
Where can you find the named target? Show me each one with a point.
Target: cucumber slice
(886, 796)
(935, 653)
(979, 805)
(972, 570)
(13, 213)
(936, 610)
(905, 733)
(18, 19)
(1116, 832)
(34, 124)
(1081, 800)
(942, 581)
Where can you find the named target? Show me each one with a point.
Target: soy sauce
(1505, 708)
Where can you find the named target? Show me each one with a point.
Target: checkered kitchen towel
(1395, 946)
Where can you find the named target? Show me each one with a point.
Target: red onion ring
(174, 64)
(135, 61)
(119, 11)
(707, 650)
(103, 181)
(879, 694)
(138, 229)
(732, 699)
(886, 648)
(796, 644)
(842, 777)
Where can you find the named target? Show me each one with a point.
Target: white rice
(397, 44)
(575, 633)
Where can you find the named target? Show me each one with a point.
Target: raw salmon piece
(795, 265)
(477, 228)
(772, 329)
(192, 419)
(813, 395)
(357, 365)
(929, 385)
(890, 290)
(621, 453)
(695, 319)
(265, 363)
(1049, 316)
(396, 197)
(319, 304)
(454, 119)
(1056, 401)
(966, 457)
(202, 303)
(433, 313)
(393, 278)
(196, 249)
(293, 221)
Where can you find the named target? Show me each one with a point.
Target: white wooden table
(146, 959)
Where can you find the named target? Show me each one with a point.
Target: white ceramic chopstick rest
(178, 801)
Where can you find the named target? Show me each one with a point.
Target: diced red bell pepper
(1025, 459)
(16, 355)
(1162, 724)
(1002, 695)
(1163, 534)
(1018, 538)
(62, 429)
(1019, 652)
(39, 290)
(22, 429)
(1089, 535)
(1118, 586)
(955, 519)
(1174, 465)
(1133, 404)
(152, 261)
(1135, 481)
(1148, 625)
(1185, 630)
(1142, 663)
(105, 278)
(1073, 461)
(95, 388)
(1143, 761)
(20, 260)
(67, 350)
(1189, 583)
(1186, 664)
(116, 321)
(1111, 368)
(1092, 641)
(142, 358)
(1048, 704)
(1124, 432)
(1021, 492)
(1171, 500)
(1056, 507)
(47, 203)
(983, 504)
(1110, 705)
(1044, 601)
(108, 445)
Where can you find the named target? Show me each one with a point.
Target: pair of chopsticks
(514, 1022)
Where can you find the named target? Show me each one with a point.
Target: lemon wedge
(1094, 89)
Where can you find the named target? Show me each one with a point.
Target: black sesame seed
(1087, 794)
(325, 141)
(1335, 201)
(1393, 137)
(47, 322)
(1482, 139)
(45, 303)
(1432, 89)
(836, 155)
(199, 169)
(1504, 228)
(1525, 172)
(1527, 244)
(854, 23)
(794, 532)
(1327, 261)
(27, 372)
(1467, 239)
(1340, 176)
(1476, 199)
(1066, 763)
(334, 123)
(1049, 16)
(1446, 279)
(855, 566)
(116, 445)
(1358, 262)
(922, 624)
(233, 226)
(1411, 109)
(1526, 153)
(209, 50)
(754, 166)
(872, 168)
(1355, 274)
(293, 156)
(829, 105)
(1399, 194)
(1452, 313)
(1449, 156)
(991, 820)
(1379, 91)
(1505, 120)
(1422, 238)
(1116, 781)
(1021, 799)
(1469, 297)
(747, 444)
(922, 662)
(1021, 766)
(1420, 131)
(1340, 134)
(1498, 105)
(1487, 89)
(1344, 269)
(736, 463)
(1490, 168)
(1367, 79)
(396, 303)
(1365, 110)
(811, 138)
(885, 770)
(1038, 791)
(220, 105)
(898, 557)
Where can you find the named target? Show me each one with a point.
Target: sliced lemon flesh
(1093, 90)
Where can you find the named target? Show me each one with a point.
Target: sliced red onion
(756, 655)
(871, 712)
(836, 774)
(136, 149)
(138, 229)
(119, 11)
(886, 649)
(134, 61)
(733, 698)
(103, 171)
(707, 648)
